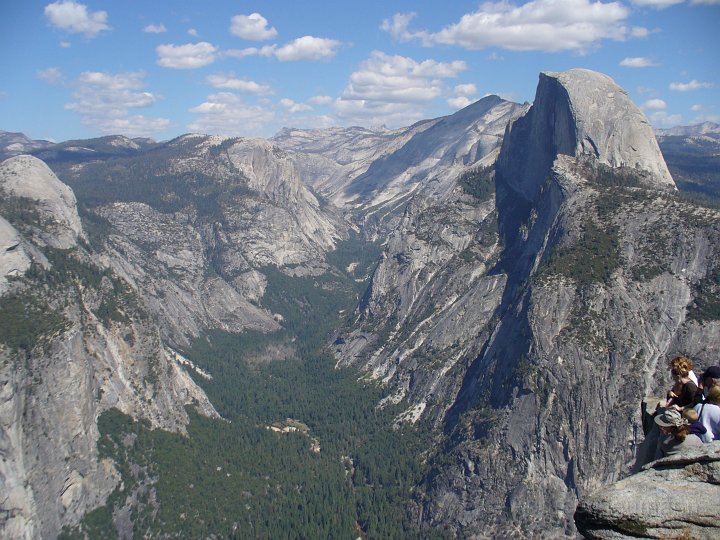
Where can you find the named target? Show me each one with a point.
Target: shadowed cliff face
(531, 351)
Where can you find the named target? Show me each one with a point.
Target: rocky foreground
(673, 497)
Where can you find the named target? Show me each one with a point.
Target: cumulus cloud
(692, 85)
(51, 75)
(294, 107)
(192, 32)
(267, 50)
(697, 108)
(657, 4)
(65, 44)
(393, 90)
(637, 62)
(654, 104)
(465, 89)
(459, 102)
(155, 29)
(104, 102)
(252, 27)
(320, 100)
(661, 118)
(241, 85)
(546, 25)
(75, 18)
(225, 113)
(307, 48)
(188, 56)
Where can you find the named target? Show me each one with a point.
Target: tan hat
(670, 418)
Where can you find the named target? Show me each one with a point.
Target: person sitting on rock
(676, 434)
(684, 391)
(709, 413)
(694, 423)
(710, 378)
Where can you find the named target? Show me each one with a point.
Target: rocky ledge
(673, 497)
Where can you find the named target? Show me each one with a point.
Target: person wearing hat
(709, 414)
(710, 378)
(676, 434)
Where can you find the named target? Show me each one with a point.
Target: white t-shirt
(710, 418)
(693, 377)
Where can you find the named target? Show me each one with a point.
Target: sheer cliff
(75, 340)
(525, 324)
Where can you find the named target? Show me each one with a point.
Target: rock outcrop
(13, 259)
(674, 497)
(75, 340)
(529, 331)
(27, 178)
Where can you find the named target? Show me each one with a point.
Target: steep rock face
(595, 273)
(675, 497)
(75, 340)
(29, 178)
(580, 113)
(424, 157)
(13, 259)
(193, 222)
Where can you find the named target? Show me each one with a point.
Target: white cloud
(459, 102)
(65, 44)
(706, 118)
(267, 50)
(547, 25)
(640, 32)
(692, 85)
(294, 107)
(75, 18)
(155, 29)
(252, 27)
(495, 57)
(397, 26)
(188, 56)
(697, 108)
(104, 102)
(225, 113)
(242, 85)
(320, 100)
(51, 75)
(393, 90)
(654, 104)
(637, 62)
(465, 89)
(192, 32)
(657, 4)
(307, 48)
(661, 118)
(705, 2)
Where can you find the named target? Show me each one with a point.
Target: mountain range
(537, 267)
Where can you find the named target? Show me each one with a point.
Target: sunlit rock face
(527, 325)
(77, 341)
(29, 178)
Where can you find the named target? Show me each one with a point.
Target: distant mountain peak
(580, 113)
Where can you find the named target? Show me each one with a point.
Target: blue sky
(80, 69)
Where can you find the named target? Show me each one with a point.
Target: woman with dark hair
(676, 434)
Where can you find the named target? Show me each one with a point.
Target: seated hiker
(684, 390)
(709, 413)
(676, 434)
(710, 378)
(694, 423)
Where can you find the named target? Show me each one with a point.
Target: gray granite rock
(675, 497)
